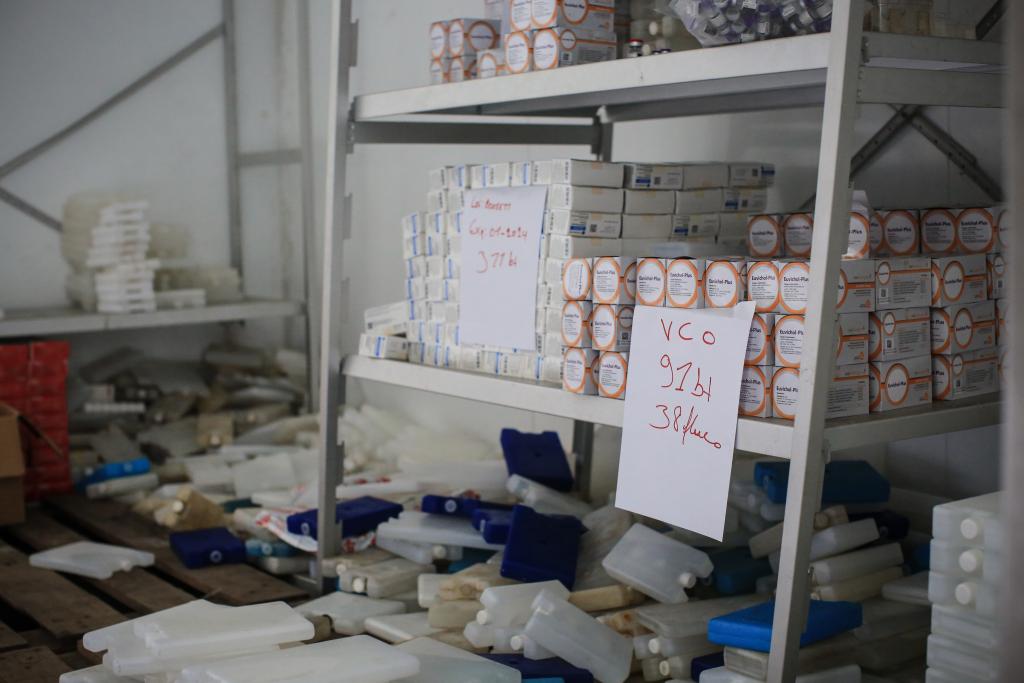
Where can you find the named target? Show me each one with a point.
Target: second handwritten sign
(679, 427)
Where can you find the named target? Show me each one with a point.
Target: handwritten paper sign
(679, 428)
(500, 256)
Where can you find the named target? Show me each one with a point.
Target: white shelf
(62, 321)
(765, 437)
(768, 74)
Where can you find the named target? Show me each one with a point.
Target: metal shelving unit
(837, 70)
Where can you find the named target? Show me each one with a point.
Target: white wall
(58, 59)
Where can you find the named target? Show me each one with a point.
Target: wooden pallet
(61, 607)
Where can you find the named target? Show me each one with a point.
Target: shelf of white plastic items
(62, 321)
(765, 437)
(896, 69)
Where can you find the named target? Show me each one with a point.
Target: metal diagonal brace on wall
(108, 104)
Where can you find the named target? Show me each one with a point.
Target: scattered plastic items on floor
(95, 560)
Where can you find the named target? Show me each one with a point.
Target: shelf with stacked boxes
(60, 321)
(770, 74)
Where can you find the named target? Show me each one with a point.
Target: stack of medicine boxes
(601, 280)
(966, 572)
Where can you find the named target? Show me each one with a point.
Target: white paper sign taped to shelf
(500, 257)
(679, 428)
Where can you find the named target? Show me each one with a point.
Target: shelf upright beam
(335, 198)
(231, 135)
(310, 271)
(1011, 616)
(831, 220)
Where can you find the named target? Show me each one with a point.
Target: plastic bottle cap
(687, 580)
(439, 552)
(664, 669)
(970, 560)
(654, 27)
(970, 529)
(450, 506)
(359, 585)
(482, 617)
(654, 645)
(965, 593)
(178, 506)
(516, 642)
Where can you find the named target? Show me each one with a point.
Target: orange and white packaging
(856, 287)
(1002, 308)
(577, 277)
(848, 392)
(439, 70)
(997, 275)
(439, 40)
(900, 383)
(725, 282)
(851, 338)
(597, 15)
(858, 244)
(519, 52)
(462, 69)
(614, 280)
(765, 236)
(959, 280)
(614, 367)
(559, 46)
(651, 281)
(580, 368)
(970, 327)
(977, 231)
(900, 232)
(788, 340)
(489, 64)
(763, 286)
(903, 282)
(472, 36)
(685, 287)
(797, 229)
(576, 324)
(794, 285)
(963, 375)
(900, 333)
(875, 234)
(938, 231)
(611, 327)
(1004, 227)
(760, 341)
(516, 15)
(756, 391)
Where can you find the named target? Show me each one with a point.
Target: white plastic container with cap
(95, 560)
(438, 530)
(383, 579)
(545, 499)
(842, 538)
(963, 520)
(858, 588)
(348, 612)
(530, 648)
(512, 605)
(442, 663)
(398, 628)
(656, 565)
(579, 639)
(421, 553)
(855, 564)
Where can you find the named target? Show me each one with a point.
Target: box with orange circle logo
(856, 287)
(756, 391)
(685, 283)
(1002, 307)
(469, 37)
(589, 14)
(899, 333)
(969, 327)
(760, 342)
(902, 282)
(580, 368)
(651, 281)
(1004, 226)
(959, 280)
(763, 287)
(901, 383)
(858, 245)
(797, 230)
(491, 64)
(614, 280)
(576, 324)
(558, 46)
(938, 231)
(765, 238)
(577, 278)
(725, 282)
(997, 275)
(848, 392)
(977, 231)
(962, 375)
(614, 366)
(611, 327)
(899, 232)
(518, 52)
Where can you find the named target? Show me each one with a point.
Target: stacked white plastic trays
(105, 240)
(966, 565)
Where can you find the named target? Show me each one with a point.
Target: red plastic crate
(51, 471)
(50, 423)
(14, 354)
(47, 405)
(47, 386)
(37, 490)
(50, 351)
(14, 391)
(48, 369)
(13, 373)
(40, 451)
(18, 404)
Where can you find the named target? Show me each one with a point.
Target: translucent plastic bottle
(965, 626)
(656, 565)
(544, 499)
(691, 618)
(454, 614)
(384, 579)
(858, 588)
(512, 605)
(963, 520)
(529, 647)
(857, 563)
(441, 663)
(842, 538)
(348, 612)
(579, 639)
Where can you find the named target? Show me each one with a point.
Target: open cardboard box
(12, 469)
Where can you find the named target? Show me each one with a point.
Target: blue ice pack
(736, 572)
(699, 665)
(540, 669)
(542, 547)
(257, 548)
(493, 525)
(114, 470)
(846, 481)
(457, 506)
(537, 457)
(920, 558)
(207, 547)
(751, 628)
(357, 517)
